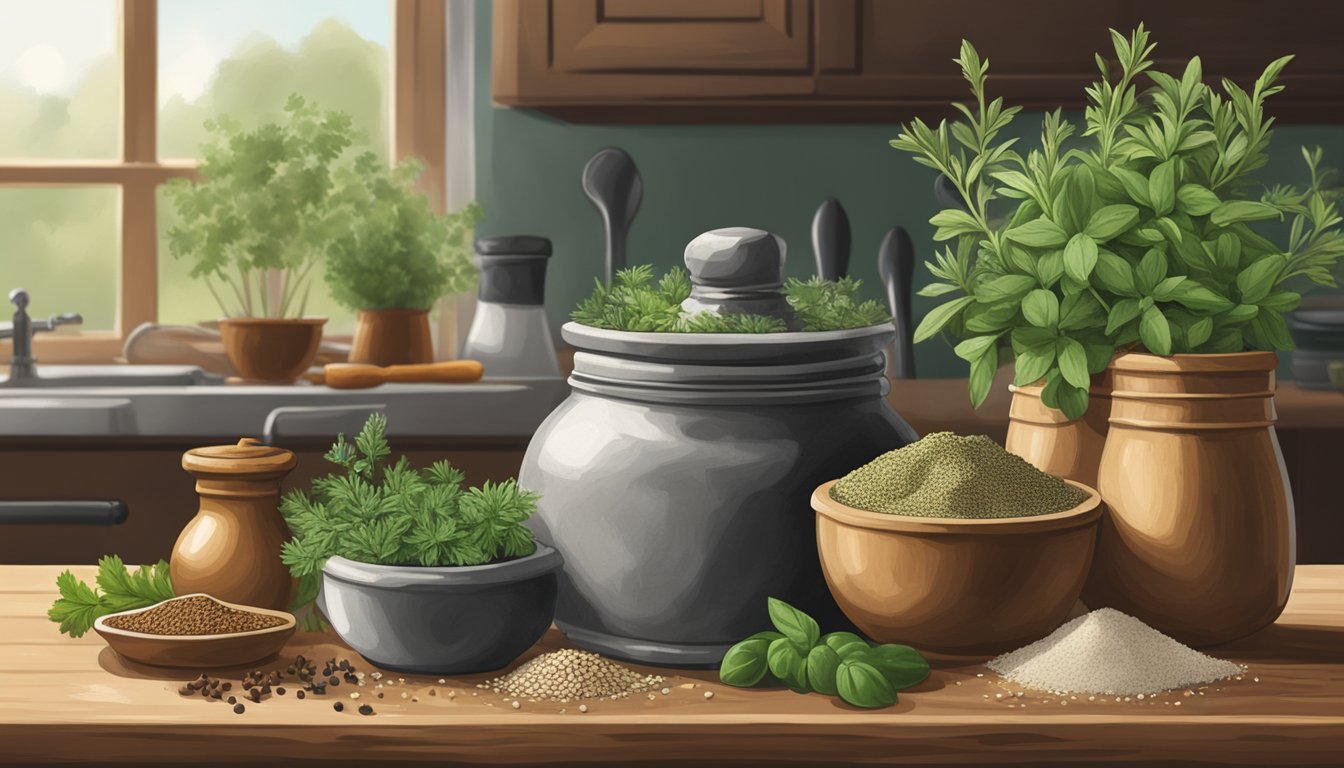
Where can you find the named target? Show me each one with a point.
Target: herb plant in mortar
(417, 572)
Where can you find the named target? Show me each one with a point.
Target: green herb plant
(634, 302)
(395, 252)
(1136, 237)
(386, 513)
(798, 656)
(263, 213)
(117, 589)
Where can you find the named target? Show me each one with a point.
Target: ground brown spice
(198, 615)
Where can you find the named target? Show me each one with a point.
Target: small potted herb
(256, 225)
(1134, 249)
(394, 258)
(416, 572)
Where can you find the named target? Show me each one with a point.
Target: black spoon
(613, 183)
(896, 266)
(830, 240)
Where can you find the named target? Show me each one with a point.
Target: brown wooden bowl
(955, 587)
(198, 651)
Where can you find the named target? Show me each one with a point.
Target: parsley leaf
(80, 605)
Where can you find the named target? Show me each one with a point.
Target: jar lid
(249, 457)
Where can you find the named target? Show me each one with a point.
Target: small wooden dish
(235, 649)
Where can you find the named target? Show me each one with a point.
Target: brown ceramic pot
(1054, 444)
(231, 549)
(955, 587)
(271, 350)
(1199, 539)
(392, 337)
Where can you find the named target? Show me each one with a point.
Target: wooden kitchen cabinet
(814, 61)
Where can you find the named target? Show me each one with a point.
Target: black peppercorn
(238, 709)
(365, 709)
(338, 706)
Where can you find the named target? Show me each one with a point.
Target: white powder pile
(1108, 652)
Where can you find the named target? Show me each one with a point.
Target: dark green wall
(698, 178)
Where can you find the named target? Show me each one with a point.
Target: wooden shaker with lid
(231, 549)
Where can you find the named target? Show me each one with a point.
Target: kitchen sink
(77, 376)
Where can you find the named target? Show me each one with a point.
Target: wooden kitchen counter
(73, 700)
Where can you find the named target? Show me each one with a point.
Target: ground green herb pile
(947, 475)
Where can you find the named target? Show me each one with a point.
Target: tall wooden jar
(1055, 444)
(231, 549)
(1199, 539)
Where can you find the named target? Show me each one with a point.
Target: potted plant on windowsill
(256, 225)
(394, 258)
(416, 572)
(1137, 245)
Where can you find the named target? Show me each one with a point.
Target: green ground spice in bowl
(948, 475)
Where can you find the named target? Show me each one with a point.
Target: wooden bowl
(198, 651)
(955, 587)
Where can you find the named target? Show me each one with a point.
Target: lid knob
(738, 270)
(513, 269)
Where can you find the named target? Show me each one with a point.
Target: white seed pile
(570, 674)
(1111, 653)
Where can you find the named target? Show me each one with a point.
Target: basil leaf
(1080, 310)
(953, 222)
(1155, 332)
(1122, 312)
(1166, 290)
(1080, 257)
(861, 685)
(1041, 308)
(1072, 401)
(1256, 281)
(1115, 274)
(1135, 184)
(1195, 296)
(837, 640)
(934, 290)
(1224, 341)
(1272, 329)
(1003, 288)
(1152, 268)
(1235, 211)
(1240, 313)
(989, 318)
(1073, 362)
(940, 316)
(798, 627)
(983, 369)
(822, 664)
(745, 664)
(1281, 301)
(975, 346)
(1196, 200)
(1050, 268)
(900, 664)
(787, 663)
(1162, 187)
(1032, 364)
(1038, 233)
(1199, 332)
(1098, 355)
(1111, 221)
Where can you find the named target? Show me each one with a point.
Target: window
(101, 101)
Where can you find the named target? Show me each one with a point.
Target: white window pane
(61, 245)
(60, 82)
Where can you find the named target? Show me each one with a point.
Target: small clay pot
(1053, 443)
(955, 587)
(271, 350)
(392, 337)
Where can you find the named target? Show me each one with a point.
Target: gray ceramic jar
(675, 479)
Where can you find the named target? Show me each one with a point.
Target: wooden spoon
(356, 376)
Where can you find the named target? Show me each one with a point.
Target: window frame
(418, 61)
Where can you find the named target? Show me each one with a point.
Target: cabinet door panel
(659, 35)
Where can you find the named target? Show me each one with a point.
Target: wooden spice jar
(231, 549)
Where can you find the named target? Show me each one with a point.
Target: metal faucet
(22, 364)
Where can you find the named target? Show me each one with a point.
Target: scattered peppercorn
(238, 709)
(365, 709)
(338, 706)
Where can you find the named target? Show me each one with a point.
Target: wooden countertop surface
(74, 700)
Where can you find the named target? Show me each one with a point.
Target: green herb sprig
(118, 589)
(392, 514)
(798, 656)
(634, 302)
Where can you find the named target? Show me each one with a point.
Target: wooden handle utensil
(355, 376)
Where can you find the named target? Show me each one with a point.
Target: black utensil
(947, 195)
(830, 240)
(896, 266)
(613, 183)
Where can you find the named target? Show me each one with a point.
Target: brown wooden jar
(231, 549)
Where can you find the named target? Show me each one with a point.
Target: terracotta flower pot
(955, 587)
(271, 350)
(392, 337)
(1050, 441)
(1199, 540)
